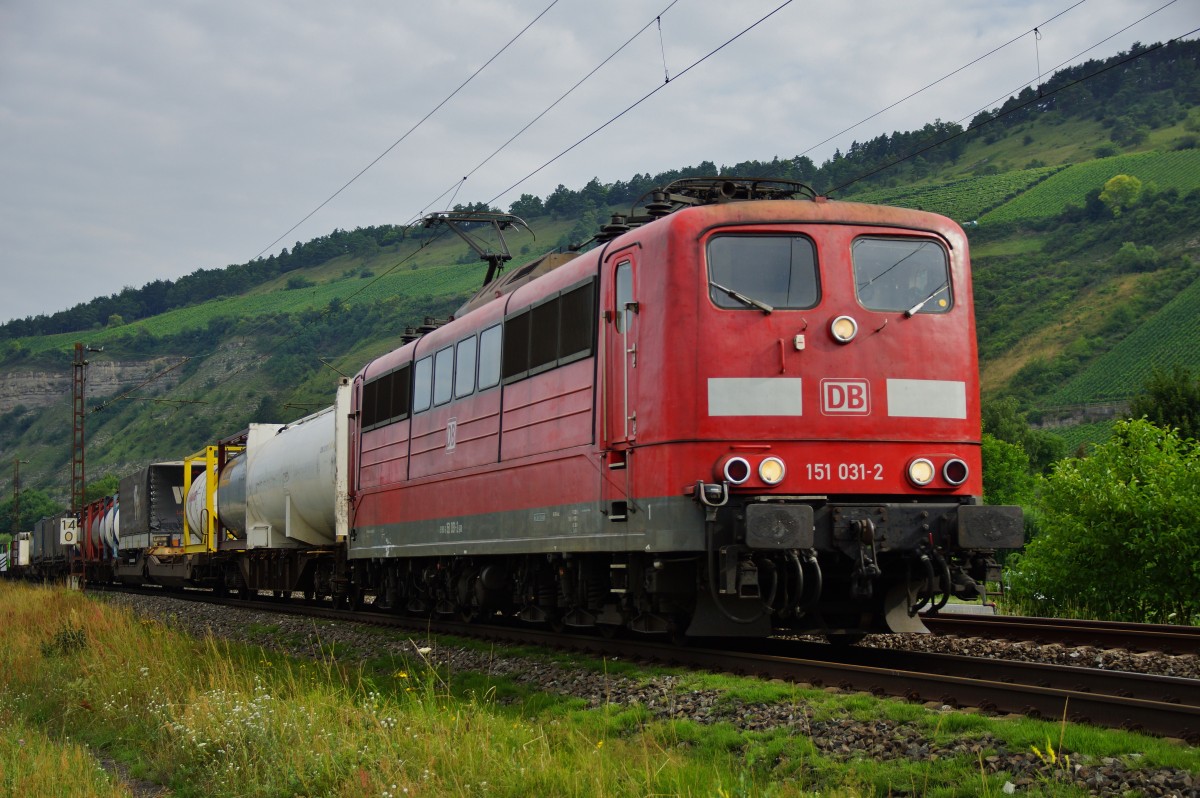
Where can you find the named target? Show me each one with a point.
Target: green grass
(32, 763)
(212, 718)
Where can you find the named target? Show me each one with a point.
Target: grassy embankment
(83, 681)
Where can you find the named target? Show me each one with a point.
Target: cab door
(620, 394)
(621, 358)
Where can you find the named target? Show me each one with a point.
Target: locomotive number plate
(846, 472)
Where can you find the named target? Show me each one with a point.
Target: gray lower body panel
(653, 525)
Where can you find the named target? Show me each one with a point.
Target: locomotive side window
(578, 322)
(516, 345)
(385, 399)
(422, 384)
(558, 330)
(776, 271)
(902, 274)
(369, 416)
(443, 375)
(401, 385)
(464, 368)
(543, 335)
(489, 357)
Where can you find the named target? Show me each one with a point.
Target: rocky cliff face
(41, 388)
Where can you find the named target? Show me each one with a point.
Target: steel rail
(1097, 681)
(1104, 634)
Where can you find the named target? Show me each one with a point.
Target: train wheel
(352, 599)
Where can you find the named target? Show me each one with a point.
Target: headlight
(771, 470)
(843, 329)
(736, 471)
(955, 471)
(921, 472)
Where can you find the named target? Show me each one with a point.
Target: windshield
(901, 274)
(778, 272)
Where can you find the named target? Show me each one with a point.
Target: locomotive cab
(807, 370)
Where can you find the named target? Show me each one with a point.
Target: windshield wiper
(908, 314)
(745, 300)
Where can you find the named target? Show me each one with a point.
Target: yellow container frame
(207, 462)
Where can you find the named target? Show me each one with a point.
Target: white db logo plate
(845, 397)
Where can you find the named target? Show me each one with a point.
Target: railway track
(1103, 634)
(1161, 705)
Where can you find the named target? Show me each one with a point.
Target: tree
(1118, 532)
(1170, 399)
(527, 206)
(1006, 478)
(1003, 419)
(35, 505)
(105, 486)
(1120, 192)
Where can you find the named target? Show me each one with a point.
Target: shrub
(1186, 142)
(1132, 258)
(1117, 533)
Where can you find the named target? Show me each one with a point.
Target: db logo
(845, 397)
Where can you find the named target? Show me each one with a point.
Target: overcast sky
(142, 139)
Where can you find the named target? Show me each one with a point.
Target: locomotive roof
(700, 204)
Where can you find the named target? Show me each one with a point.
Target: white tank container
(289, 487)
(108, 526)
(285, 485)
(194, 506)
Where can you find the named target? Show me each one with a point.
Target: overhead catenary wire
(409, 132)
(1078, 55)
(1038, 97)
(551, 107)
(647, 96)
(945, 77)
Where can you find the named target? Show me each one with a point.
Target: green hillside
(429, 281)
(1071, 185)
(1172, 335)
(965, 199)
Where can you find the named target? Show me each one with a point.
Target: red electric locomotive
(741, 412)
